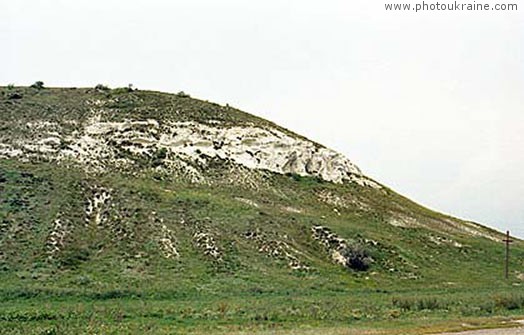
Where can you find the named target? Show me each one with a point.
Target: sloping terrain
(126, 193)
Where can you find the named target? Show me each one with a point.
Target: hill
(219, 218)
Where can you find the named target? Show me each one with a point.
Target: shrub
(73, 257)
(487, 307)
(10, 86)
(38, 85)
(419, 304)
(14, 96)
(158, 157)
(100, 87)
(357, 257)
(182, 94)
(428, 304)
(509, 302)
(120, 90)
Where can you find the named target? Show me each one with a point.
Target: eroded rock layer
(102, 145)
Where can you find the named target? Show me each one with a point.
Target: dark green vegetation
(164, 255)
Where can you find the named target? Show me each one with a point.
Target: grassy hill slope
(148, 250)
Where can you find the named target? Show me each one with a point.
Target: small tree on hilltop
(38, 85)
(100, 87)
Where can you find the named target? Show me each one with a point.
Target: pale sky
(429, 103)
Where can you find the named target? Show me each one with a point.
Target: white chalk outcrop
(97, 144)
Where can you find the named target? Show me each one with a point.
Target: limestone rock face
(97, 144)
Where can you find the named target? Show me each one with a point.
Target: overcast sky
(428, 103)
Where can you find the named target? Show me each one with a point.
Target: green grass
(84, 312)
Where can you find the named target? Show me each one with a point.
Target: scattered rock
(207, 243)
(277, 249)
(56, 238)
(351, 255)
(96, 206)
(167, 243)
(247, 202)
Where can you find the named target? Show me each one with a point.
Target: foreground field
(346, 312)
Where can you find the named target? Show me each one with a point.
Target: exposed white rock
(207, 243)
(337, 257)
(440, 240)
(443, 225)
(334, 199)
(277, 249)
(55, 239)
(471, 228)
(167, 243)
(42, 125)
(8, 151)
(247, 201)
(291, 209)
(333, 243)
(98, 143)
(403, 221)
(245, 177)
(95, 207)
(258, 148)
(165, 237)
